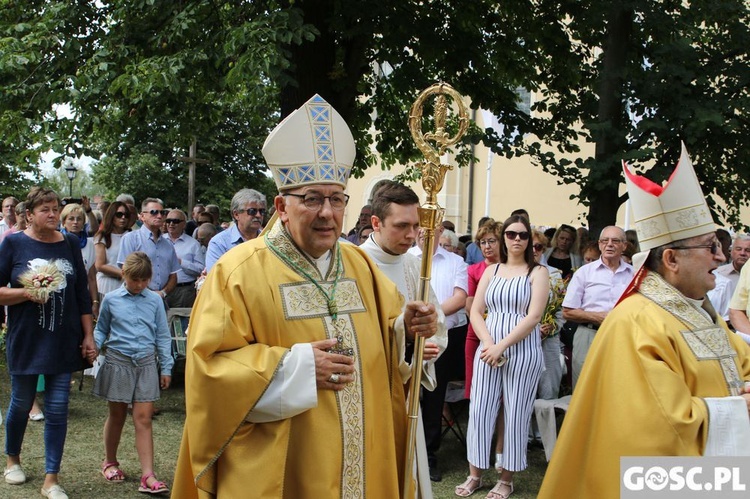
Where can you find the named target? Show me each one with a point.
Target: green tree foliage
(143, 78)
(638, 78)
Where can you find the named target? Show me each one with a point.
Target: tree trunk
(605, 176)
(330, 65)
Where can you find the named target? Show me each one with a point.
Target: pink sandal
(156, 486)
(112, 472)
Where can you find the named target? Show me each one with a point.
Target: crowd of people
(301, 336)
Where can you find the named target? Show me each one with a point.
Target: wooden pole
(192, 160)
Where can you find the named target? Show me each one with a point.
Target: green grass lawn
(81, 478)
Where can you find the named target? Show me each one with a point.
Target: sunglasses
(120, 214)
(254, 211)
(173, 221)
(157, 212)
(511, 234)
(714, 247)
(538, 246)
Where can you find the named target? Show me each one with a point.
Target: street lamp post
(71, 172)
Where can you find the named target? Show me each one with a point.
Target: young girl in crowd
(132, 328)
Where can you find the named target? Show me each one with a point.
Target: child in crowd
(591, 252)
(132, 328)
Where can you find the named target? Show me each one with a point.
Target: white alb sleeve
(293, 389)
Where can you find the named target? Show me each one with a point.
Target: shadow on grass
(80, 475)
(84, 451)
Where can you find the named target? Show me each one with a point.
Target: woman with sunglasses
(107, 245)
(509, 360)
(564, 253)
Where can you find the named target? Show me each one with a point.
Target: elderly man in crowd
(739, 305)
(450, 281)
(248, 211)
(364, 219)
(148, 239)
(593, 291)
(739, 253)
(664, 375)
(9, 214)
(293, 358)
(204, 234)
(192, 260)
(192, 224)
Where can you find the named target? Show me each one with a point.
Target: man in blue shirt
(192, 260)
(248, 211)
(148, 239)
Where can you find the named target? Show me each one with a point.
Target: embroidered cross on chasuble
(331, 298)
(707, 340)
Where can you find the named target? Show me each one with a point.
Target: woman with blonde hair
(73, 219)
(564, 251)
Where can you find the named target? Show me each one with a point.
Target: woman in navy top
(50, 337)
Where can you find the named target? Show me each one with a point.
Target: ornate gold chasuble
(642, 389)
(253, 307)
(707, 339)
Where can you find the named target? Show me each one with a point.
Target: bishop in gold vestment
(652, 364)
(664, 376)
(251, 310)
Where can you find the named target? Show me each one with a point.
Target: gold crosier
(430, 215)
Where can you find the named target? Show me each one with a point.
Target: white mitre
(313, 145)
(676, 211)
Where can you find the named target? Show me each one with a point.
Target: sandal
(470, 486)
(495, 492)
(112, 473)
(156, 486)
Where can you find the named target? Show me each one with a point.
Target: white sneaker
(14, 475)
(54, 492)
(38, 416)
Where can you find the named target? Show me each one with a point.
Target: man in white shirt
(593, 292)
(451, 283)
(739, 252)
(9, 214)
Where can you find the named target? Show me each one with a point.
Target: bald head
(204, 233)
(612, 243)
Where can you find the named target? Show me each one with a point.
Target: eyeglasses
(315, 202)
(173, 221)
(120, 214)
(607, 240)
(511, 234)
(487, 242)
(153, 213)
(713, 247)
(538, 246)
(254, 211)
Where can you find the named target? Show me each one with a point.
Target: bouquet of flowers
(554, 304)
(43, 280)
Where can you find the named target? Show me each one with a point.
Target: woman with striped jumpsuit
(509, 362)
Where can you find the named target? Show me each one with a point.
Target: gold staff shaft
(430, 215)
